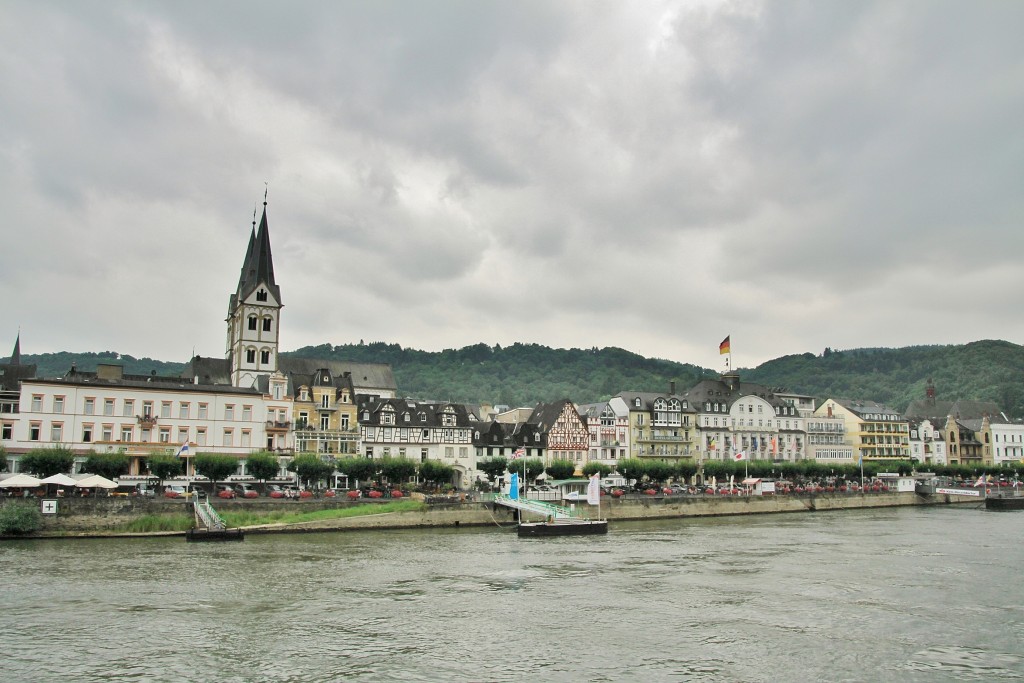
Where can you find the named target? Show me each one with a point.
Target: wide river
(903, 594)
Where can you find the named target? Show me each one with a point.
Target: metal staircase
(538, 507)
(206, 517)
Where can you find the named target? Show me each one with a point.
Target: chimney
(672, 388)
(929, 392)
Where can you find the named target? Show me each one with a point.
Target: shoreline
(484, 514)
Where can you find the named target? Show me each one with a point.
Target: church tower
(254, 312)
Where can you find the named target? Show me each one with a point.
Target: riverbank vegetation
(243, 518)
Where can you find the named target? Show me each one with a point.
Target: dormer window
(407, 418)
(636, 402)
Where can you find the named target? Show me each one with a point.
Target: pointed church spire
(16, 354)
(259, 261)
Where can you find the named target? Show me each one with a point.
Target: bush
(17, 519)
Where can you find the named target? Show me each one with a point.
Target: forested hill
(522, 374)
(516, 375)
(982, 370)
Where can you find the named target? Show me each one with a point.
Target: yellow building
(876, 432)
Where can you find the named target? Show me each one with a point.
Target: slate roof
(258, 266)
(366, 378)
(421, 414)
(961, 408)
(719, 390)
(861, 407)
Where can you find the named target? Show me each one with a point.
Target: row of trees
(311, 469)
(658, 471)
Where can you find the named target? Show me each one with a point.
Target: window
(87, 433)
(90, 406)
(201, 436)
(165, 435)
(247, 413)
(58, 404)
(127, 434)
(264, 357)
(183, 410)
(228, 438)
(325, 401)
(147, 409)
(246, 438)
(7, 431)
(129, 407)
(37, 404)
(108, 433)
(203, 407)
(33, 431)
(266, 324)
(56, 432)
(165, 409)
(229, 411)
(325, 420)
(344, 421)
(108, 406)
(250, 355)
(252, 323)
(261, 295)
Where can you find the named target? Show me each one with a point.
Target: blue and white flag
(513, 486)
(183, 452)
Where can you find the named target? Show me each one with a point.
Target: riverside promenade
(100, 517)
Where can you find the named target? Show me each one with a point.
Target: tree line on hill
(524, 374)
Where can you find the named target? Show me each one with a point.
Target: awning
(750, 482)
(59, 480)
(94, 482)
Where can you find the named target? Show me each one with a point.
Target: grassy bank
(152, 523)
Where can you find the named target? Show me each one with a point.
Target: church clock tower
(254, 313)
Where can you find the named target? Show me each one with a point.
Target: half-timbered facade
(419, 431)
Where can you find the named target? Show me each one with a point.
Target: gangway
(206, 517)
(209, 525)
(537, 507)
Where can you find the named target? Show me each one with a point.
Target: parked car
(246, 491)
(275, 491)
(225, 491)
(175, 491)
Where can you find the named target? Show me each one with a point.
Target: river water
(902, 594)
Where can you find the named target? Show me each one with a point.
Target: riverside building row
(254, 399)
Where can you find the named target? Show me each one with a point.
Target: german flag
(724, 346)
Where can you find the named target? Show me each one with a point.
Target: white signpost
(48, 507)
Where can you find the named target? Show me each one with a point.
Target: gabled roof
(546, 414)
(862, 408)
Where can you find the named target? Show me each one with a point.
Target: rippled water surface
(886, 595)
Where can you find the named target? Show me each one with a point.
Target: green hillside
(522, 374)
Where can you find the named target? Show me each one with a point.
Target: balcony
(146, 421)
(277, 424)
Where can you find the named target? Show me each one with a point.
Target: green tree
(659, 471)
(493, 467)
(685, 469)
(45, 462)
(435, 473)
(3, 459)
(632, 468)
(310, 468)
(358, 470)
(560, 469)
(262, 465)
(17, 519)
(165, 466)
(398, 470)
(215, 467)
(593, 467)
(109, 465)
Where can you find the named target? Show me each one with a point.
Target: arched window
(252, 323)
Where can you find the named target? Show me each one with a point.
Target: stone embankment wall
(99, 515)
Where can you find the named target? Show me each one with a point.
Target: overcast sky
(646, 175)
